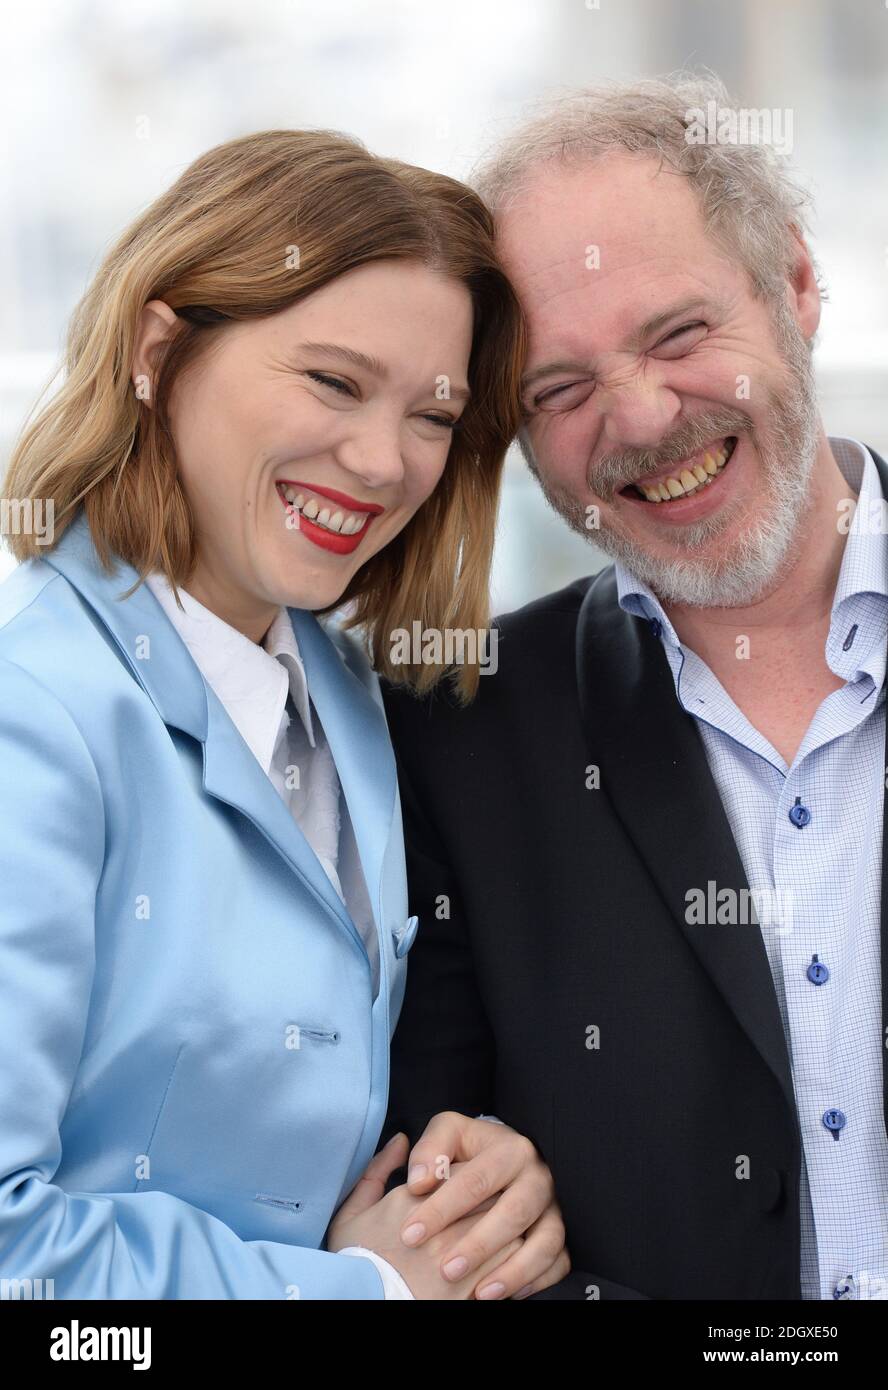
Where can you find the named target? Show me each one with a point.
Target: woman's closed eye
(448, 422)
(334, 381)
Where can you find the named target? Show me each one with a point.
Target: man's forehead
(584, 254)
(570, 222)
(622, 302)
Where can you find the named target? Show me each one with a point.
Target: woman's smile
(339, 528)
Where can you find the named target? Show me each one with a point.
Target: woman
(290, 386)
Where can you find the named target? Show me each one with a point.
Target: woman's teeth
(343, 523)
(688, 480)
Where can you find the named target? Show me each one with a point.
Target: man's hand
(373, 1218)
(465, 1163)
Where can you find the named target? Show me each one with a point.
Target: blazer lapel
(232, 774)
(653, 768)
(161, 663)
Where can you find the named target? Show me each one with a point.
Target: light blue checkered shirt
(830, 871)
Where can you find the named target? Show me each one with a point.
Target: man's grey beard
(757, 556)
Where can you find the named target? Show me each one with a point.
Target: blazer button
(403, 936)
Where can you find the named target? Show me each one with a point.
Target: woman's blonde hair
(252, 226)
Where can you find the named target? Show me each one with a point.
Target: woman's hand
(492, 1205)
(374, 1218)
(464, 1162)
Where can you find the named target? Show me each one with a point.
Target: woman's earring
(142, 384)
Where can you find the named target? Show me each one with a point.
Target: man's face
(652, 363)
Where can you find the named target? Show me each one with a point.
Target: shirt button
(656, 628)
(799, 814)
(835, 1121)
(817, 972)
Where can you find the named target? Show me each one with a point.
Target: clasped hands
(477, 1217)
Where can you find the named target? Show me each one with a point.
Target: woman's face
(307, 440)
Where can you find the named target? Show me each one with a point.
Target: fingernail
(394, 1139)
(418, 1171)
(523, 1293)
(492, 1291)
(413, 1234)
(456, 1268)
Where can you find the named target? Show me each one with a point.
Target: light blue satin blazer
(194, 1071)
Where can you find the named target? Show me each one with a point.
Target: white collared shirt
(256, 684)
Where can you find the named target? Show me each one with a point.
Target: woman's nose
(374, 456)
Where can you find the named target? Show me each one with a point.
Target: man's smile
(688, 491)
(684, 478)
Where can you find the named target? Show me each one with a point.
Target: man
(647, 860)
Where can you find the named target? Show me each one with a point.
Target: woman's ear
(156, 325)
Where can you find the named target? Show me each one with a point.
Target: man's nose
(637, 414)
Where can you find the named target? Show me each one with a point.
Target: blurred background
(104, 104)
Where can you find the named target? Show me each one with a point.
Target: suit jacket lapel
(653, 768)
(232, 774)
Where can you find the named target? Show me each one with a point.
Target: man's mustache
(616, 471)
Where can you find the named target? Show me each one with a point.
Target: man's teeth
(688, 480)
(343, 523)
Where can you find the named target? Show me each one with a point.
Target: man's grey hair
(746, 193)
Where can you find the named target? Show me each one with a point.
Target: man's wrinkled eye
(564, 397)
(682, 339)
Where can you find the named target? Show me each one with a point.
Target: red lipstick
(320, 536)
(371, 508)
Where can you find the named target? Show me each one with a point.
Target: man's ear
(156, 325)
(803, 292)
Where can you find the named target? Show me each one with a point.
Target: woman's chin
(310, 593)
(293, 583)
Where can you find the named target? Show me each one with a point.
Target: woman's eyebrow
(370, 364)
(635, 340)
(347, 354)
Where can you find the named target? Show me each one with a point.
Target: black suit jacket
(549, 910)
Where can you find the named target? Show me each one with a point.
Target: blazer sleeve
(111, 1245)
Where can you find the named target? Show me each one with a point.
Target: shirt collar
(864, 564)
(864, 568)
(251, 680)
